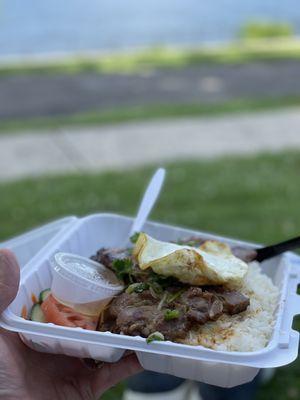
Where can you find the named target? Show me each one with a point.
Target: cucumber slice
(44, 294)
(37, 314)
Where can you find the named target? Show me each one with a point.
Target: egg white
(210, 264)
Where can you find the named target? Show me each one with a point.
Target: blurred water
(42, 26)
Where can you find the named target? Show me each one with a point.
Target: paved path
(133, 144)
(26, 96)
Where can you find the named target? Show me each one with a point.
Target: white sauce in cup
(83, 284)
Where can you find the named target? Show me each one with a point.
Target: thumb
(9, 278)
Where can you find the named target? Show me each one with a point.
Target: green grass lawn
(239, 51)
(255, 198)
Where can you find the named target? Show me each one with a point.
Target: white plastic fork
(148, 201)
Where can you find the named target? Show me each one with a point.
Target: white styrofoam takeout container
(85, 236)
(28, 244)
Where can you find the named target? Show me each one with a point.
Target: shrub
(262, 30)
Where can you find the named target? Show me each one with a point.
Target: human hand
(29, 375)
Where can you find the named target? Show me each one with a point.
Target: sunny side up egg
(211, 264)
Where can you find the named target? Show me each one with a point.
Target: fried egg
(210, 264)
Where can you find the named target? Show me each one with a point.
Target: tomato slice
(60, 314)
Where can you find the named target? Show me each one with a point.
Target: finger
(9, 278)
(111, 374)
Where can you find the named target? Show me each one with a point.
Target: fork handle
(274, 250)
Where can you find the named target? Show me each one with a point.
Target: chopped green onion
(163, 281)
(155, 336)
(134, 237)
(171, 314)
(174, 296)
(137, 287)
(123, 268)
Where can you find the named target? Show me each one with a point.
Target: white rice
(247, 331)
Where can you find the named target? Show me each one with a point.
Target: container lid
(28, 244)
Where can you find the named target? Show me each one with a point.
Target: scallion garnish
(171, 314)
(155, 336)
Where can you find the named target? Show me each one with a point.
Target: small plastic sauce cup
(83, 284)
